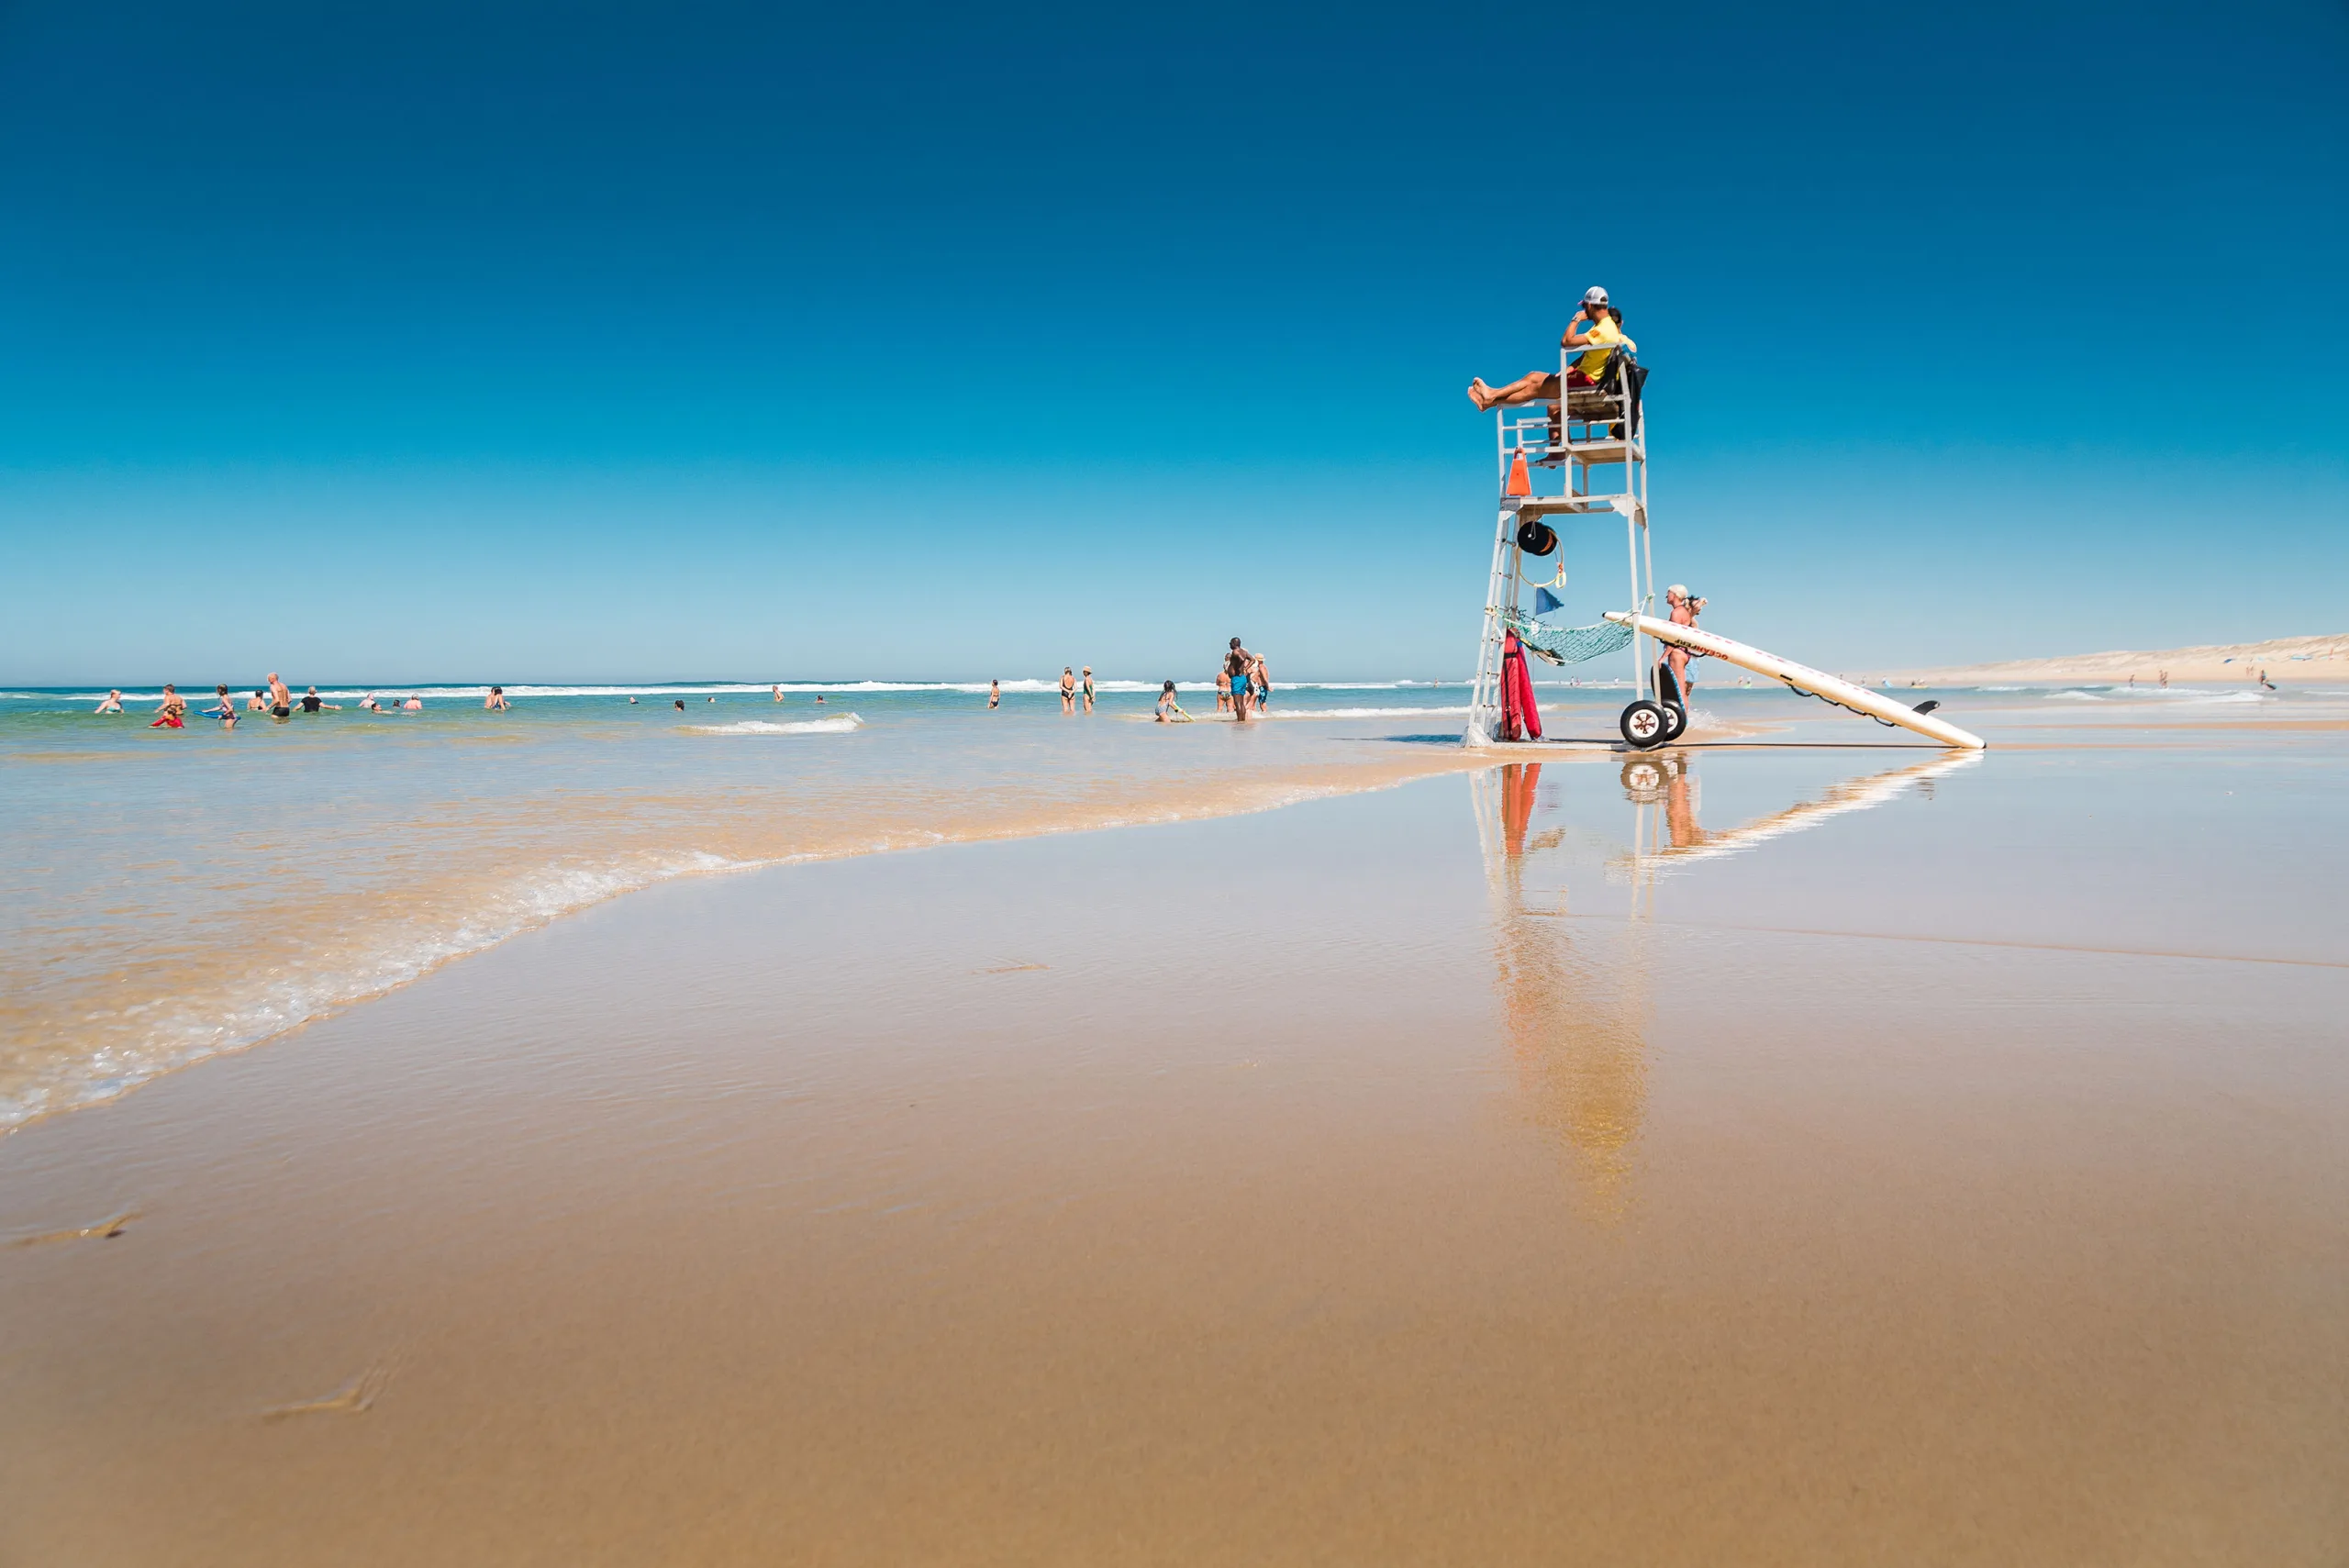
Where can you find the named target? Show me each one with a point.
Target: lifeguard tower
(1584, 455)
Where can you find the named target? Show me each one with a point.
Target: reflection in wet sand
(1572, 1002)
(1573, 992)
(1666, 780)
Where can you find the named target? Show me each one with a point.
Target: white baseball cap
(1594, 296)
(1676, 591)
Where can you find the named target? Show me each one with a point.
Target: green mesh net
(1569, 644)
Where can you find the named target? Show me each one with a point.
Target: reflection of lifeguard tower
(1572, 996)
(1586, 453)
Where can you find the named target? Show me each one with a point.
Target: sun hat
(1676, 591)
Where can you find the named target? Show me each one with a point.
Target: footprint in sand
(349, 1399)
(103, 1230)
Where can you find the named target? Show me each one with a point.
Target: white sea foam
(176, 1042)
(2197, 696)
(840, 725)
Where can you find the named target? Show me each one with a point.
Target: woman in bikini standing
(1068, 689)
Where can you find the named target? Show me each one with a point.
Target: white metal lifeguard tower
(1588, 453)
(1593, 440)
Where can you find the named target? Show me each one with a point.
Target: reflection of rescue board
(1802, 678)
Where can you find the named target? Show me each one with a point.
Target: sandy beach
(2284, 660)
(1767, 1153)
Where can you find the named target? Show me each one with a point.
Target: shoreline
(1237, 795)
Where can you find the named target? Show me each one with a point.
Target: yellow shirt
(1603, 330)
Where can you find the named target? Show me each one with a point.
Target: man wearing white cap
(1685, 610)
(1594, 327)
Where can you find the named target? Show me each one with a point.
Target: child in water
(1169, 710)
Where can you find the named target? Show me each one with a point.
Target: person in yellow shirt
(1596, 327)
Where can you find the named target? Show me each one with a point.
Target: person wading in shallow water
(1237, 664)
(1088, 689)
(1068, 689)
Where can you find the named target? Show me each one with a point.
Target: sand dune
(2285, 658)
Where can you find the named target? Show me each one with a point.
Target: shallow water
(165, 895)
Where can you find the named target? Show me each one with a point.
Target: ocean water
(167, 895)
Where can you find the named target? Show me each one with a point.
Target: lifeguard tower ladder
(1586, 453)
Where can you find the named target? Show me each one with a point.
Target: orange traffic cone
(1519, 482)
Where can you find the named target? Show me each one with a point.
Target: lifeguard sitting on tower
(1596, 327)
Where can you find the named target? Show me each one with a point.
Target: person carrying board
(1686, 607)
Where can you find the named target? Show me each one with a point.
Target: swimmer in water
(680, 704)
(226, 711)
(112, 705)
(778, 689)
(413, 704)
(172, 712)
(1169, 710)
(312, 702)
(281, 701)
(495, 701)
(258, 702)
(995, 694)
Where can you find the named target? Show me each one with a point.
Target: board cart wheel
(1641, 779)
(1644, 725)
(1679, 716)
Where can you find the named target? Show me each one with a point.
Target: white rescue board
(1802, 678)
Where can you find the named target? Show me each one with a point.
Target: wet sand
(1709, 1157)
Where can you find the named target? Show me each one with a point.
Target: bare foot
(1480, 394)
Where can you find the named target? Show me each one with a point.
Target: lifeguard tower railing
(1586, 452)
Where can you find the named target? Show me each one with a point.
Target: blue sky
(454, 342)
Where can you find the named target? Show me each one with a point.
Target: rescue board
(1802, 678)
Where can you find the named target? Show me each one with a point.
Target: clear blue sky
(533, 341)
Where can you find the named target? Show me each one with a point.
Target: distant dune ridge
(2285, 658)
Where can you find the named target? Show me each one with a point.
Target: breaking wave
(838, 725)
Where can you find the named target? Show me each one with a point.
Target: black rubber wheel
(1679, 716)
(1646, 724)
(1641, 779)
(1536, 538)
